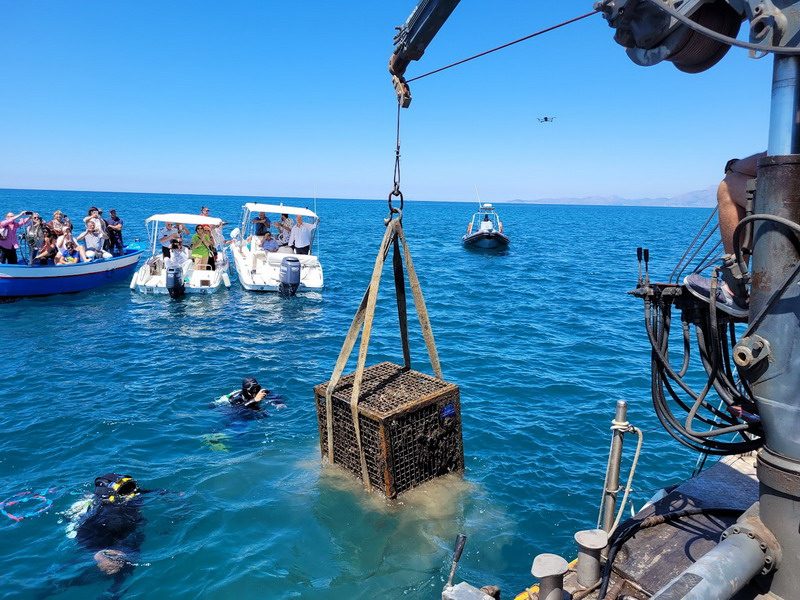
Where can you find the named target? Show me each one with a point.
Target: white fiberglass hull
(259, 271)
(151, 278)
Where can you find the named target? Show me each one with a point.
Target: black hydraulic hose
(664, 414)
(676, 430)
(627, 530)
(687, 348)
(724, 387)
(667, 367)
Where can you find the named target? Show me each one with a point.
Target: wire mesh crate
(410, 427)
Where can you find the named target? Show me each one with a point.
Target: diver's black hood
(112, 488)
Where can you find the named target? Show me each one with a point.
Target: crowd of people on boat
(296, 235)
(26, 235)
(203, 247)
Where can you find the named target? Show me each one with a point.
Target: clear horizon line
(546, 202)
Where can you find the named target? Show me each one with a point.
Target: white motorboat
(485, 230)
(178, 274)
(259, 269)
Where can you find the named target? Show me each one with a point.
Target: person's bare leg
(731, 197)
(731, 203)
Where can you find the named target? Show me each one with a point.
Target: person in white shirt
(178, 254)
(302, 235)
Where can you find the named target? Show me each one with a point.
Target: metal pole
(775, 382)
(719, 574)
(618, 425)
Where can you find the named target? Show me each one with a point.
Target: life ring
(40, 503)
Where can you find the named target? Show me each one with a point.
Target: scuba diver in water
(108, 523)
(252, 396)
(246, 405)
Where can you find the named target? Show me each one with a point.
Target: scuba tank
(289, 276)
(175, 285)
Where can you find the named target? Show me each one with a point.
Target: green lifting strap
(393, 238)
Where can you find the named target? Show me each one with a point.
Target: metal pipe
(719, 574)
(784, 128)
(590, 543)
(611, 490)
(775, 382)
(550, 569)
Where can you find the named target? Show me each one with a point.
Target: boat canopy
(485, 207)
(184, 219)
(280, 209)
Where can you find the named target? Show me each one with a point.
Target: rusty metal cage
(410, 427)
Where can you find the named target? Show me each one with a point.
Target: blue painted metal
(23, 280)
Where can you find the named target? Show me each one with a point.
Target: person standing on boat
(203, 247)
(262, 224)
(95, 217)
(166, 235)
(8, 236)
(115, 233)
(34, 236)
(57, 224)
(302, 235)
(284, 226)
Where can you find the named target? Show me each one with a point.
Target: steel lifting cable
(503, 46)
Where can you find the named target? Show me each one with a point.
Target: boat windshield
(485, 220)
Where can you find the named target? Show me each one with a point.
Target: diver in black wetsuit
(252, 396)
(110, 526)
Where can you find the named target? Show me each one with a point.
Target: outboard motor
(175, 285)
(289, 276)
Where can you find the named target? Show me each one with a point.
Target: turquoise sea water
(541, 340)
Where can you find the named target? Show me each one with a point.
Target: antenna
(316, 229)
(477, 195)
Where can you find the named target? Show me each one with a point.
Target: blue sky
(287, 98)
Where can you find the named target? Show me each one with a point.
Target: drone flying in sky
(546, 119)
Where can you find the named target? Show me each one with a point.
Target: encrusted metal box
(410, 427)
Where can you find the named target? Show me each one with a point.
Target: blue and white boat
(45, 280)
(485, 230)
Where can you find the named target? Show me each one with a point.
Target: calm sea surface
(542, 341)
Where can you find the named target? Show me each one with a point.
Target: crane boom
(413, 38)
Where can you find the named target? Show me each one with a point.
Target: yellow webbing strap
(362, 323)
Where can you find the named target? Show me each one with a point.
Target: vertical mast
(776, 386)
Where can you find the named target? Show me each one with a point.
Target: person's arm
(81, 236)
(291, 237)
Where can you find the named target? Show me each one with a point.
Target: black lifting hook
(392, 210)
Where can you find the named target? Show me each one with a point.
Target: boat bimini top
(184, 219)
(279, 209)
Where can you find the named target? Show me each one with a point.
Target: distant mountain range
(706, 198)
